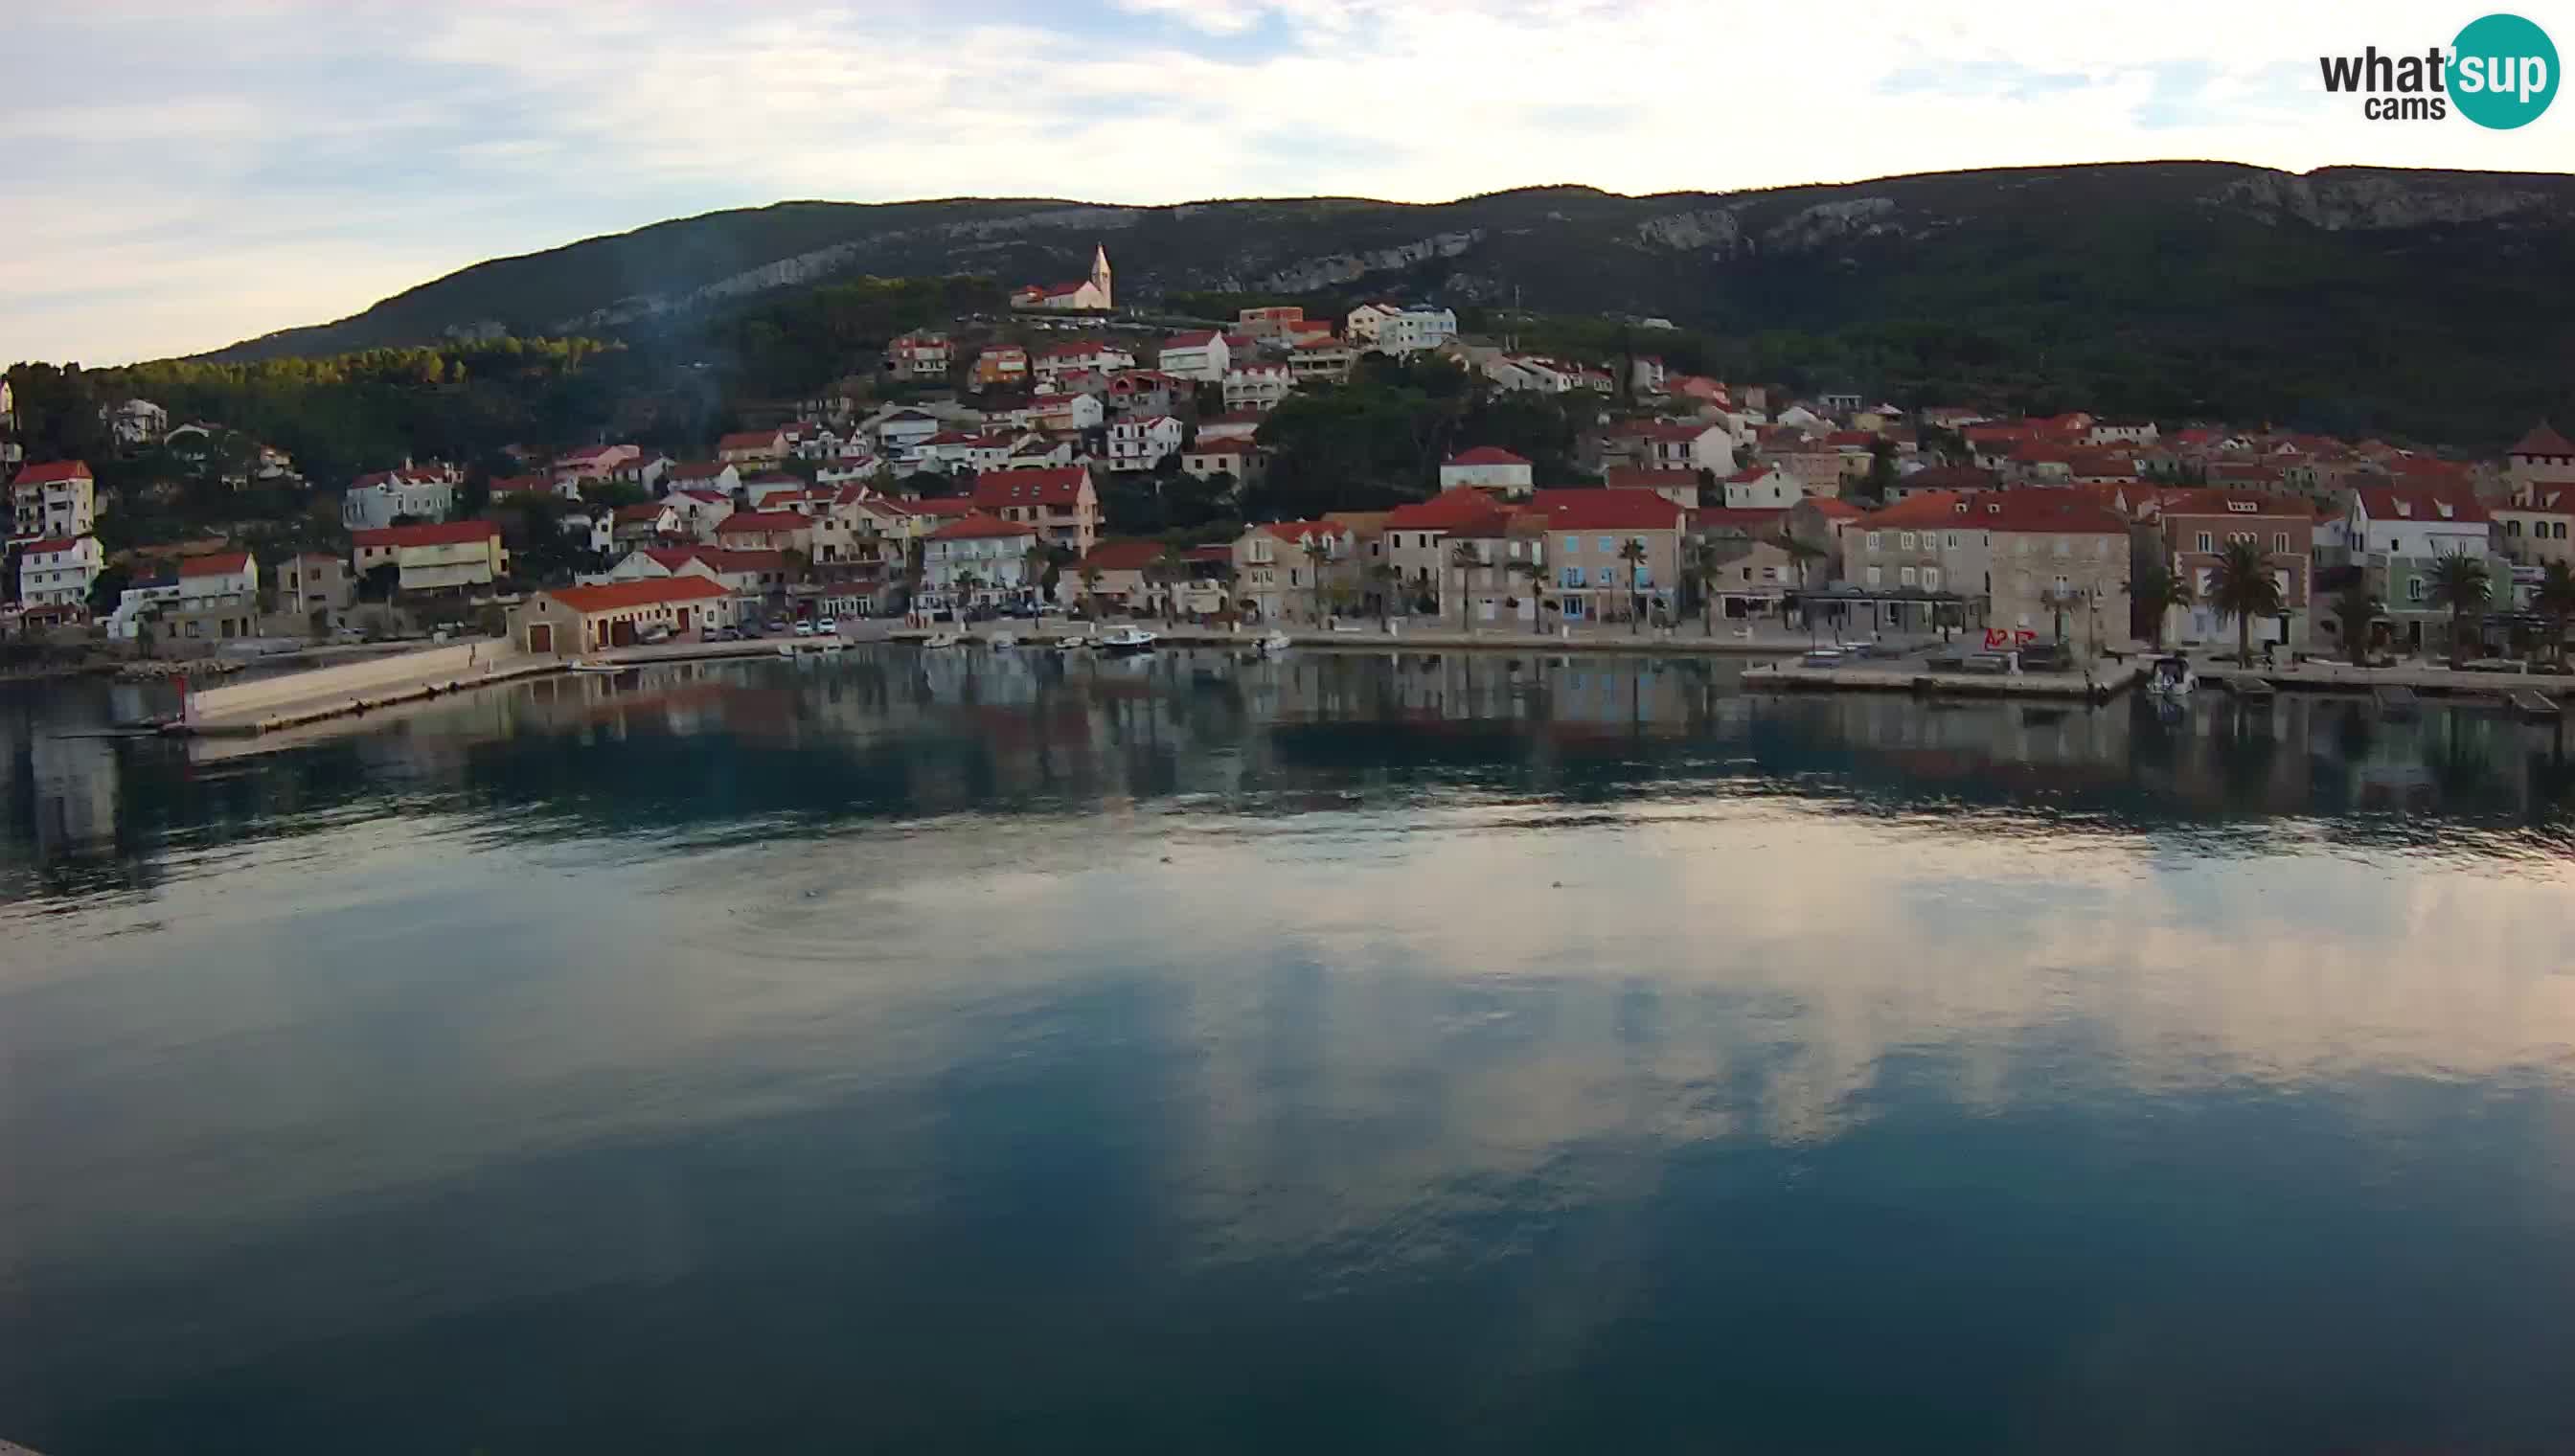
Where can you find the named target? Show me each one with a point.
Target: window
(2512, 528)
(2393, 549)
(1872, 541)
(1873, 576)
(2280, 541)
(1953, 540)
(1930, 579)
(1905, 542)
(1573, 544)
(1905, 577)
(1607, 545)
(1572, 576)
(2413, 588)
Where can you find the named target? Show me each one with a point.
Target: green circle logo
(2503, 72)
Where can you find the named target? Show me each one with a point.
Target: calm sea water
(1350, 1053)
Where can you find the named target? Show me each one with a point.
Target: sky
(202, 172)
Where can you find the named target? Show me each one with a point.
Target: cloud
(373, 147)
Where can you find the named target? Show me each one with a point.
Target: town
(976, 471)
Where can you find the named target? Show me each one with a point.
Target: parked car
(778, 624)
(724, 634)
(803, 629)
(654, 634)
(829, 626)
(2041, 656)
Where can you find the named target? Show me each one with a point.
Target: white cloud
(379, 140)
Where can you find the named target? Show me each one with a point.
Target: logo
(2499, 72)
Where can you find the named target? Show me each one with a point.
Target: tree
(2554, 599)
(2460, 583)
(106, 588)
(1465, 557)
(1037, 570)
(1535, 569)
(2354, 610)
(1882, 476)
(1089, 590)
(2243, 587)
(1707, 566)
(2155, 591)
(1385, 577)
(1634, 554)
(1317, 556)
(963, 592)
(1170, 569)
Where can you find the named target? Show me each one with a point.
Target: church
(1089, 293)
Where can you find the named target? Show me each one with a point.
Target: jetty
(2100, 685)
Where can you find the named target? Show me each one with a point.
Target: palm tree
(1465, 557)
(2241, 585)
(1318, 555)
(2460, 583)
(1535, 569)
(1634, 554)
(2354, 610)
(1706, 565)
(2554, 599)
(1384, 575)
(2156, 591)
(962, 594)
(1170, 569)
(1034, 563)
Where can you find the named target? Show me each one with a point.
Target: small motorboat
(1127, 642)
(1000, 641)
(2171, 677)
(940, 640)
(1275, 645)
(1074, 645)
(603, 670)
(787, 649)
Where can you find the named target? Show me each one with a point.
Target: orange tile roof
(618, 596)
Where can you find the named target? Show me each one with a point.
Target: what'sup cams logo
(2502, 73)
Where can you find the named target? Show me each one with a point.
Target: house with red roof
(1670, 445)
(1060, 503)
(1413, 539)
(1488, 467)
(2398, 536)
(1200, 355)
(1139, 442)
(1253, 385)
(753, 448)
(435, 556)
(2194, 527)
(922, 357)
(55, 499)
(1611, 556)
(2057, 565)
(2542, 456)
(567, 621)
(1681, 487)
(1286, 569)
(1002, 367)
(1116, 575)
(978, 563)
(1092, 293)
(1761, 487)
(54, 576)
(767, 531)
(423, 492)
(644, 523)
(1753, 568)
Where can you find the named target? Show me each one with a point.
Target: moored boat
(2171, 677)
(1127, 642)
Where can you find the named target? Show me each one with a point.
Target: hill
(2354, 297)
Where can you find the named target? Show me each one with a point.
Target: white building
(1256, 386)
(1139, 442)
(1763, 488)
(135, 423)
(975, 562)
(1488, 467)
(1364, 322)
(57, 499)
(56, 572)
(1196, 356)
(374, 500)
(1409, 331)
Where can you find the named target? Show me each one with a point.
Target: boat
(1275, 645)
(602, 668)
(1002, 639)
(2533, 705)
(787, 649)
(1074, 645)
(2394, 700)
(1127, 642)
(2171, 677)
(940, 640)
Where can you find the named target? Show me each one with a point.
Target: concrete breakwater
(352, 688)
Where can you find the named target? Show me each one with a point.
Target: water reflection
(947, 1049)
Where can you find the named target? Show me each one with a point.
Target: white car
(803, 629)
(829, 626)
